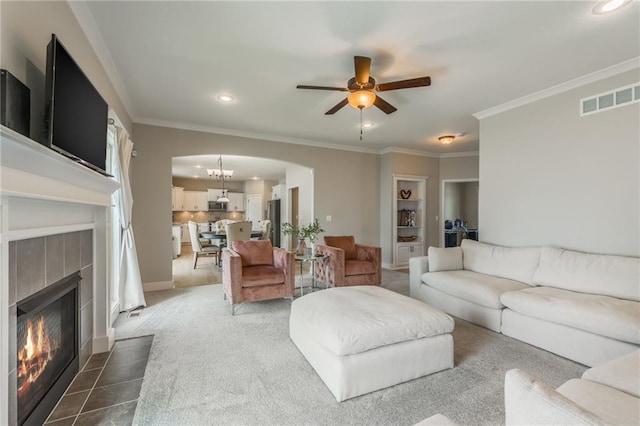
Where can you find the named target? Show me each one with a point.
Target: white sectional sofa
(606, 394)
(584, 307)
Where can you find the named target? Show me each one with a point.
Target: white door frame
(442, 187)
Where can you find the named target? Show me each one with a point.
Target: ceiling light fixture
(368, 125)
(609, 6)
(361, 99)
(223, 175)
(225, 98)
(447, 139)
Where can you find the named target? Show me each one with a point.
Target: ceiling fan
(363, 86)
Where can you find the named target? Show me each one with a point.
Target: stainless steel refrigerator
(273, 214)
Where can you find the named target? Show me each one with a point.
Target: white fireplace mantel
(44, 193)
(32, 170)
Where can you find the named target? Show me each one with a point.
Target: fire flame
(34, 356)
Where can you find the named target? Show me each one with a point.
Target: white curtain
(131, 293)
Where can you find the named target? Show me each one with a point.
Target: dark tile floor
(106, 390)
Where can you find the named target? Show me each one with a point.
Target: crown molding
(460, 154)
(397, 150)
(562, 87)
(90, 29)
(251, 135)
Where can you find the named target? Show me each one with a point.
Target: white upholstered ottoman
(364, 338)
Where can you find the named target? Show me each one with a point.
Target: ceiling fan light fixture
(361, 99)
(447, 139)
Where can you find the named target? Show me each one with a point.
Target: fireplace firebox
(47, 337)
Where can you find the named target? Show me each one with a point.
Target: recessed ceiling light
(609, 6)
(368, 125)
(222, 97)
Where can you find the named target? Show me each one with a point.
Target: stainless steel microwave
(217, 206)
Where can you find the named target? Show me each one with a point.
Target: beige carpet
(209, 368)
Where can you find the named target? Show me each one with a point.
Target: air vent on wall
(615, 98)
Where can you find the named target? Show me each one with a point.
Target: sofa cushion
(445, 259)
(530, 401)
(514, 263)
(254, 252)
(359, 267)
(611, 405)
(345, 242)
(621, 373)
(259, 275)
(603, 315)
(351, 320)
(616, 276)
(481, 289)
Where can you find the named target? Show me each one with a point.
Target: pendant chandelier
(222, 175)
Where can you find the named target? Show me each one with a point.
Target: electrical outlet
(329, 218)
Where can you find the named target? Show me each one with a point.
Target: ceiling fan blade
(337, 107)
(362, 65)
(404, 84)
(340, 89)
(385, 106)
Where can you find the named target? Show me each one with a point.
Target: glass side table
(312, 260)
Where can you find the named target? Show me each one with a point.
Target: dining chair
(196, 245)
(265, 227)
(238, 231)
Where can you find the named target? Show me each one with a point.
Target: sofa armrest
(371, 254)
(335, 268)
(529, 401)
(284, 260)
(417, 266)
(232, 275)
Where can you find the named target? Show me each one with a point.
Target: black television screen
(76, 114)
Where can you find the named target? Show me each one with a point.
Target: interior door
(254, 211)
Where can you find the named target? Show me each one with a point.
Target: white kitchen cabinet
(176, 239)
(195, 201)
(236, 202)
(186, 239)
(213, 194)
(177, 198)
(405, 251)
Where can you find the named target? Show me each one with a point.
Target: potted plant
(309, 231)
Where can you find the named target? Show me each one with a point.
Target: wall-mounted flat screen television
(76, 115)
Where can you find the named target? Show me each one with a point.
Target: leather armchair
(349, 263)
(253, 270)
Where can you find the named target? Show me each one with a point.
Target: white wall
(551, 177)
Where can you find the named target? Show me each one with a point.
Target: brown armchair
(349, 263)
(254, 270)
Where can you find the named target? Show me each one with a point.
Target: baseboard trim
(104, 343)
(158, 285)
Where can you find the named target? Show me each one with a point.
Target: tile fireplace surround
(53, 221)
